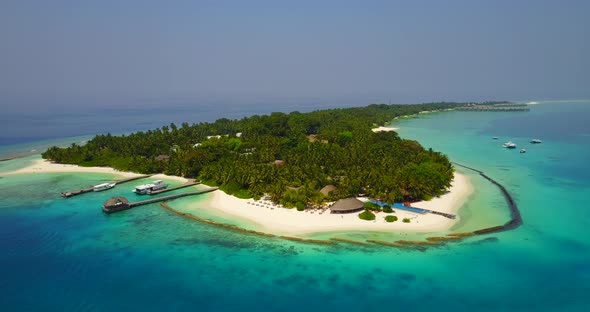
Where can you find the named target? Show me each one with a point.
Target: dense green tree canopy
(290, 157)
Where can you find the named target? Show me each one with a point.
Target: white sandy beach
(292, 222)
(44, 166)
(384, 129)
(282, 221)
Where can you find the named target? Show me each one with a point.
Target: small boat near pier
(149, 188)
(103, 187)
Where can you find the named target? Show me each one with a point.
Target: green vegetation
(390, 218)
(406, 220)
(367, 215)
(387, 208)
(290, 157)
(371, 206)
(300, 206)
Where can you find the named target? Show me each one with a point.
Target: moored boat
(509, 144)
(536, 141)
(522, 151)
(151, 187)
(103, 186)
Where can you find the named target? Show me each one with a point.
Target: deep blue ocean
(66, 255)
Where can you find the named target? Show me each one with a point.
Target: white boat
(151, 187)
(103, 186)
(536, 141)
(522, 151)
(509, 144)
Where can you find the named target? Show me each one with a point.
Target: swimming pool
(401, 206)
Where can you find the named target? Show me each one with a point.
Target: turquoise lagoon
(66, 255)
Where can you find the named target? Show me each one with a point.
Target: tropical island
(296, 160)
(290, 157)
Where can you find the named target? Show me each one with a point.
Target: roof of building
(347, 204)
(327, 189)
(115, 201)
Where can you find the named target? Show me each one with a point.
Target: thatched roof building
(116, 201)
(114, 204)
(327, 189)
(347, 205)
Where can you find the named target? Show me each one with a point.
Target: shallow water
(66, 255)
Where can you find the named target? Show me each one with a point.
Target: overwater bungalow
(115, 204)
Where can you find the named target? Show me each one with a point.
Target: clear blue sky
(57, 54)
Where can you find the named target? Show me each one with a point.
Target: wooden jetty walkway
(424, 210)
(119, 203)
(169, 197)
(174, 188)
(444, 214)
(90, 188)
(76, 192)
(133, 178)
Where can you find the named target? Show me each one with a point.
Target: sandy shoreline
(283, 221)
(384, 129)
(292, 222)
(44, 166)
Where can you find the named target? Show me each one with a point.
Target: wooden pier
(133, 178)
(169, 197)
(117, 204)
(444, 214)
(76, 192)
(174, 188)
(91, 188)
